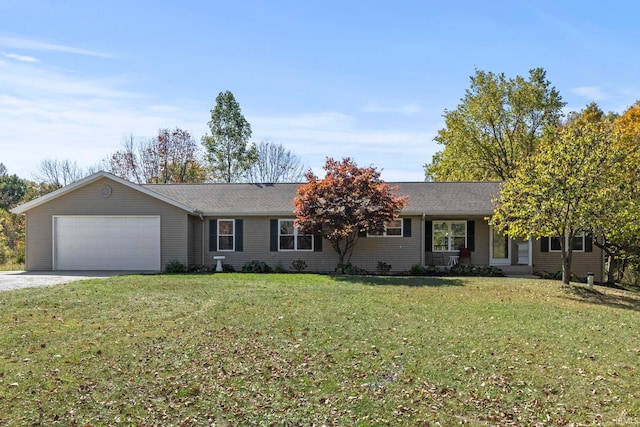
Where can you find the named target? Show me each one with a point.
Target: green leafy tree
(228, 148)
(12, 189)
(12, 192)
(498, 123)
(564, 189)
(347, 201)
(11, 237)
(622, 230)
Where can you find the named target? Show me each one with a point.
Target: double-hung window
(291, 239)
(225, 235)
(449, 235)
(578, 243)
(391, 228)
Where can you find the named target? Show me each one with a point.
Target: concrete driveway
(26, 279)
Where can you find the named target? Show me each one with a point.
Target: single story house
(103, 222)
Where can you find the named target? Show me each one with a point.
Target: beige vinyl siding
(582, 262)
(38, 250)
(256, 246)
(88, 200)
(195, 240)
(480, 256)
(398, 252)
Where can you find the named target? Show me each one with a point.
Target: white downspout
(530, 251)
(422, 226)
(202, 237)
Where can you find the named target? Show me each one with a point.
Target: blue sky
(364, 79)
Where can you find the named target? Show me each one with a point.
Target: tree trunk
(344, 253)
(341, 253)
(567, 252)
(611, 269)
(566, 272)
(341, 264)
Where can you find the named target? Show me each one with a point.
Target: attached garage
(93, 242)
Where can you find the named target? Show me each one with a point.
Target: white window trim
(566, 241)
(448, 222)
(233, 235)
(296, 234)
(384, 233)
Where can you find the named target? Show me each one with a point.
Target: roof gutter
(272, 214)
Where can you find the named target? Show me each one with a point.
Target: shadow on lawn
(411, 281)
(628, 301)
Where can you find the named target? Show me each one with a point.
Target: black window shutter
(273, 240)
(544, 244)
(406, 227)
(428, 236)
(471, 235)
(239, 235)
(213, 235)
(317, 243)
(588, 243)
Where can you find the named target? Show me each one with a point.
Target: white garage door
(106, 243)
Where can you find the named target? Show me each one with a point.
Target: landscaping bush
(256, 267)
(492, 271)
(350, 270)
(474, 270)
(383, 267)
(298, 265)
(279, 268)
(175, 266)
(228, 268)
(418, 270)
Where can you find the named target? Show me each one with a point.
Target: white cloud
(592, 93)
(51, 113)
(18, 42)
(37, 82)
(21, 58)
(47, 113)
(399, 153)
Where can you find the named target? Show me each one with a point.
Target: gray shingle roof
(449, 198)
(432, 198)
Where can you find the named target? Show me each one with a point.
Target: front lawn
(243, 349)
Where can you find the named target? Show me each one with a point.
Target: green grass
(241, 349)
(11, 267)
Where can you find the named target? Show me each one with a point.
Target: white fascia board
(273, 214)
(447, 213)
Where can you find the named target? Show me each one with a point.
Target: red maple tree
(348, 201)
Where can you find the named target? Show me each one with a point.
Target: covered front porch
(471, 240)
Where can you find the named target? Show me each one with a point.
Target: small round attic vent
(105, 191)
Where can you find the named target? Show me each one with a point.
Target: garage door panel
(107, 243)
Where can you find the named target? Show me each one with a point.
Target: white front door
(499, 248)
